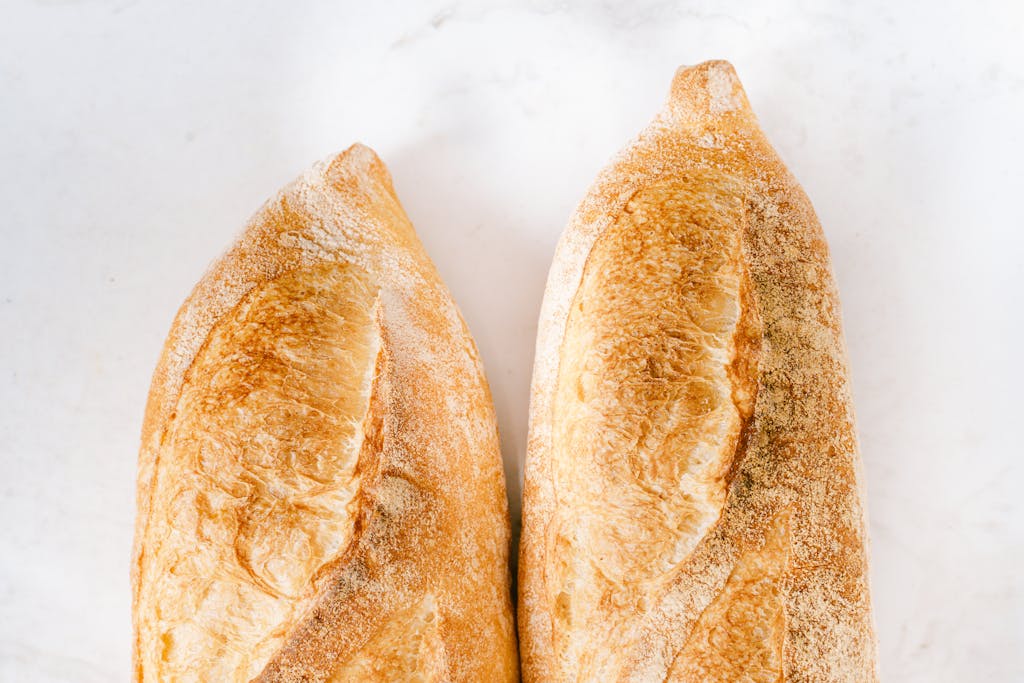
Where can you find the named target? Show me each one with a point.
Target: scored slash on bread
(692, 505)
(320, 491)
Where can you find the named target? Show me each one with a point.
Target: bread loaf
(320, 492)
(692, 506)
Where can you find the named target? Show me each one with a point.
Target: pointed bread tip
(707, 91)
(358, 164)
(357, 156)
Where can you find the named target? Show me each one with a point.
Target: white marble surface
(137, 136)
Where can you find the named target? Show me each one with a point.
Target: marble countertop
(137, 136)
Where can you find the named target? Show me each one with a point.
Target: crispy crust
(320, 491)
(742, 498)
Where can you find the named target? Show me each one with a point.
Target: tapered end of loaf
(358, 165)
(710, 95)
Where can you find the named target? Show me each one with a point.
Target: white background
(136, 137)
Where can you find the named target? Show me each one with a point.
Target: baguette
(692, 506)
(320, 491)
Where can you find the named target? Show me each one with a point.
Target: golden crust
(320, 491)
(692, 508)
